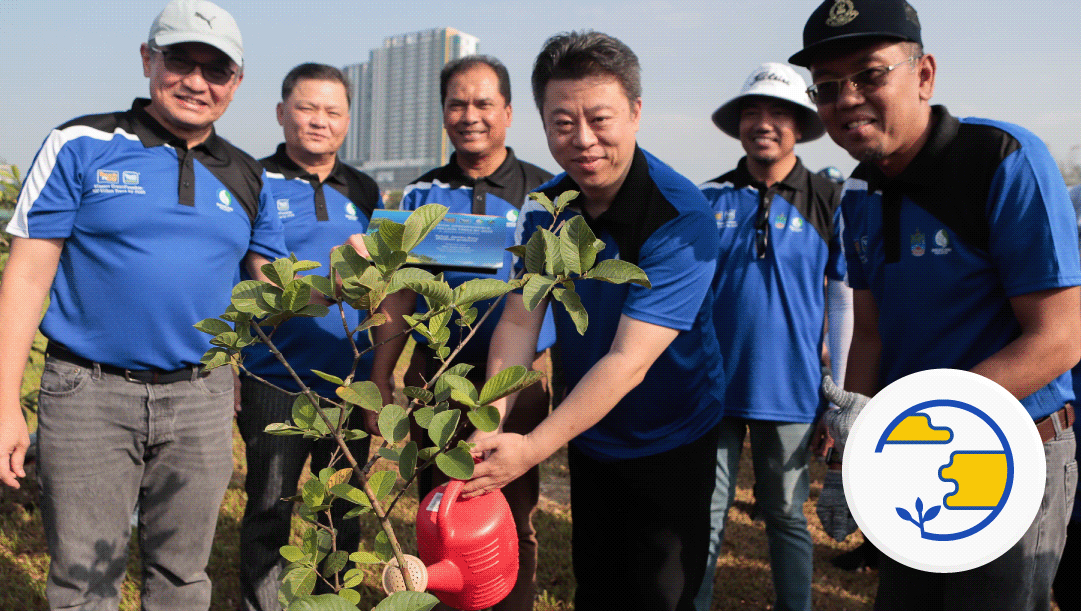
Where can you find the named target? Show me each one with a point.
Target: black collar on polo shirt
(925, 168)
(795, 180)
(501, 177)
(950, 178)
(637, 210)
(813, 197)
(338, 178)
(152, 133)
(506, 182)
(285, 165)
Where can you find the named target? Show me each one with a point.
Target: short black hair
(577, 55)
(463, 64)
(316, 72)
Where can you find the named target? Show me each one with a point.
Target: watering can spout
(445, 577)
(468, 549)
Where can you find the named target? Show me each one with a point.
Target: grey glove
(832, 509)
(839, 421)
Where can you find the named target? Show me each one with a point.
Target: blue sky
(1004, 60)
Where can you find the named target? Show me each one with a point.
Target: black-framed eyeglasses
(217, 73)
(868, 79)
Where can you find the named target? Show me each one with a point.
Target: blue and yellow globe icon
(944, 470)
(979, 469)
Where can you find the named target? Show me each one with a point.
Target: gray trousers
(106, 444)
(274, 466)
(781, 485)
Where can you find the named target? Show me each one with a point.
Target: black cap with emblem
(839, 24)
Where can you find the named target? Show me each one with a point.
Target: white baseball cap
(779, 81)
(198, 21)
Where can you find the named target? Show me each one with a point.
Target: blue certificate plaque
(460, 242)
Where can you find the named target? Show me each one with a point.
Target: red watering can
(468, 549)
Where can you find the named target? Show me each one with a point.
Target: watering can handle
(450, 495)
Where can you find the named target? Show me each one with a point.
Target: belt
(1046, 425)
(144, 376)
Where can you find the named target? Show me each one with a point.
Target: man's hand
(317, 298)
(14, 440)
(508, 456)
(832, 508)
(371, 422)
(821, 441)
(479, 436)
(357, 242)
(839, 421)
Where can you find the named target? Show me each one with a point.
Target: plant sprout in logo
(923, 518)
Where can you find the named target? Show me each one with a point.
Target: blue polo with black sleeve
(777, 246)
(153, 234)
(660, 222)
(980, 215)
(316, 216)
(500, 194)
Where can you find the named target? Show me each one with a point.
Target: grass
(742, 580)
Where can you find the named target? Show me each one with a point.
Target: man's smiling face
(187, 104)
(768, 129)
(475, 114)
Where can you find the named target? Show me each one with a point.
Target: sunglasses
(178, 63)
(761, 227)
(869, 79)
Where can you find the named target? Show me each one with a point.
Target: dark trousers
(523, 493)
(274, 466)
(641, 527)
(1066, 587)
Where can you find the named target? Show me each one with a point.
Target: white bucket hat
(775, 81)
(198, 21)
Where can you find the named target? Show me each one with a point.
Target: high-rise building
(396, 128)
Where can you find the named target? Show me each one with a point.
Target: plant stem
(336, 434)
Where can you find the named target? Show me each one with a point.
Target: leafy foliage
(10, 184)
(554, 259)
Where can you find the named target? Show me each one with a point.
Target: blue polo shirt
(660, 222)
(1075, 197)
(316, 216)
(980, 215)
(777, 246)
(500, 194)
(153, 234)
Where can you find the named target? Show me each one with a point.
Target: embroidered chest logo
(942, 243)
(796, 224)
(225, 200)
(350, 211)
(283, 209)
(780, 220)
(118, 182)
(919, 244)
(726, 218)
(842, 13)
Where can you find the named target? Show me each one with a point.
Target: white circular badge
(944, 470)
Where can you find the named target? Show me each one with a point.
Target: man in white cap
(133, 224)
(779, 232)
